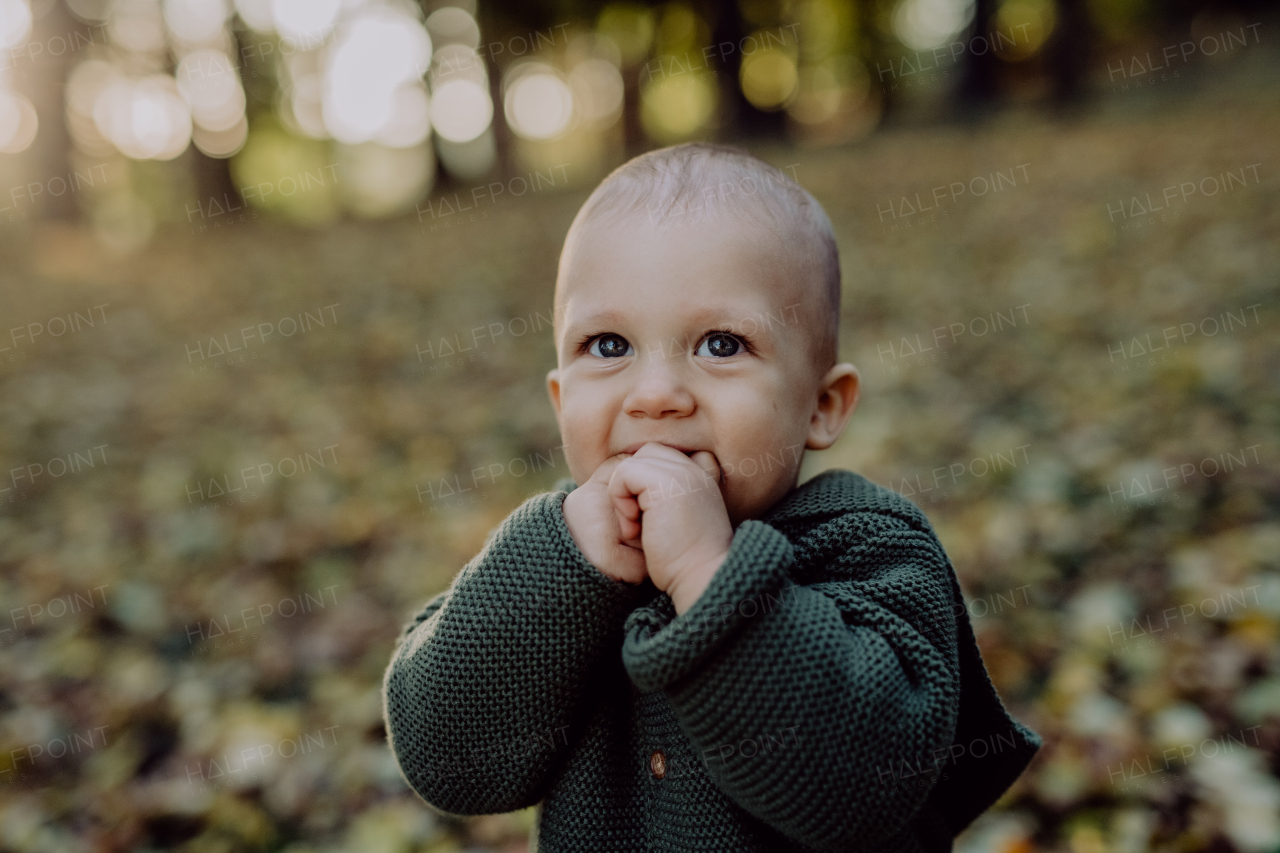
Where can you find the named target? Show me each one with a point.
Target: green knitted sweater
(824, 693)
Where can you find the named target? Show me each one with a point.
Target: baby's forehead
(720, 191)
(695, 244)
(712, 272)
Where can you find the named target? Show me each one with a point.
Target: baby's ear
(553, 389)
(837, 398)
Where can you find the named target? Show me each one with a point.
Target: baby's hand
(594, 526)
(670, 505)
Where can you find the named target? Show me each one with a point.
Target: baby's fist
(594, 526)
(670, 504)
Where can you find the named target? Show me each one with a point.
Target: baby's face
(696, 337)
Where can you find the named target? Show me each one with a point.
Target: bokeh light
(822, 25)
(195, 21)
(451, 25)
(461, 110)
(301, 106)
(221, 143)
(211, 88)
(630, 27)
(18, 123)
(825, 89)
(15, 23)
(378, 53)
(768, 74)
(538, 102)
(83, 87)
(676, 102)
(137, 25)
(926, 24)
(381, 181)
(305, 21)
(679, 30)
(90, 11)
(256, 14)
(598, 91)
(303, 170)
(677, 107)
(146, 119)
(410, 121)
(1029, 22)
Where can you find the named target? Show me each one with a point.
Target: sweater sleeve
(804, 701)
(487, 687)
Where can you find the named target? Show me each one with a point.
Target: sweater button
(658, 764)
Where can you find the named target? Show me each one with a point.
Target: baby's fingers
(706, 460)
(627, 511)
(604, 473)
(626, 506)
(628, 530)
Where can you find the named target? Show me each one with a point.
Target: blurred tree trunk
(213, 179)
(979, 81)
(1068, 52)
(43, 74)
(736, 114)
(213, 174)
(634, 137)
(740, 118)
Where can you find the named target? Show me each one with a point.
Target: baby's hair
(697, 181)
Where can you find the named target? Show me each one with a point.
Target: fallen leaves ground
(1035, 447)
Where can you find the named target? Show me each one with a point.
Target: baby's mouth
(687, 451)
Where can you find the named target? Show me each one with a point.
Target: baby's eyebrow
(606, 316)
(754, 324)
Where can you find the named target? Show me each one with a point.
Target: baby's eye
(719, 345)
(610, 346)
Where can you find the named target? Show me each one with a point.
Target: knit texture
(825, 693)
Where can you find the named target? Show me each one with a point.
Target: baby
(680, 648)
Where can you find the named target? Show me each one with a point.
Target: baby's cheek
(578, 470)
(583, 460)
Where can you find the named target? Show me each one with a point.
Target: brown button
(658, 764)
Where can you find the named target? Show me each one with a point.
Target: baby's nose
(659, 391)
